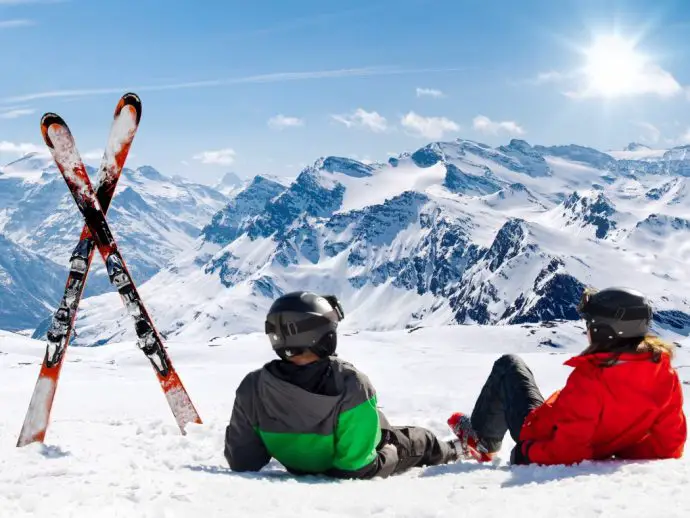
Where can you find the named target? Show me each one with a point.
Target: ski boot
(468, 444)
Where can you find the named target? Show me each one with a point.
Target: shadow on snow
(517, 475)
(272, 473)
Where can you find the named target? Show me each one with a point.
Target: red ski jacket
(631, 410)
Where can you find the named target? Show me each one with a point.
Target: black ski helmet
(303, 320)
(615, 313)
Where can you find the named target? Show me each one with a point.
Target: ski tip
(47, 121)
(130, 99)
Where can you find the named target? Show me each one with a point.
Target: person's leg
(508, 395)
(420, 447)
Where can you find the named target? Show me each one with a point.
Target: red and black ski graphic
(61, 143)
(122, 132)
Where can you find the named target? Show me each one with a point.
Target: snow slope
(113, 448)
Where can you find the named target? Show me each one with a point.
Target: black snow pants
(508, 395)
(416, 446)
(419, 447)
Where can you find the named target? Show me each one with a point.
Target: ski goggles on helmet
(584, 306)
(281, 329)
(336, 305)
(589, 309)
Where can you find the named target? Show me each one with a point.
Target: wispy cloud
(94, 154)
(13, 148)
(429, 92)
(651, 134)
(652, 79)
(13, 24)
(683, 139)
(281, 121)
(552, 76)
(486, 126)
(642, 77)
(277, 77)
(218, 157)
(15, 113)
(428, 127)
(361, 118)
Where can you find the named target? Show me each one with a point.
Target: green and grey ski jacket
(309, 433)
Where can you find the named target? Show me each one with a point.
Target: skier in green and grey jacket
(315, 413)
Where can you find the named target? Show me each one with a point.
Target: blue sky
(268, 86)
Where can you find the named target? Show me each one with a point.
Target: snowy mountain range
(154, 217)
(454, 232)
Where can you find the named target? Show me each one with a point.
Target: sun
(613, 66)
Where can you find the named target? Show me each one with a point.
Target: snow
(387, 183)
(638, 154)
(113, 448)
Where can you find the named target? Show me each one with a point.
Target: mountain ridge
(451, 233)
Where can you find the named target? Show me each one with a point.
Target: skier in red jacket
(623, 398)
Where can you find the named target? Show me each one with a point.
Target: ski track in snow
(113, 448)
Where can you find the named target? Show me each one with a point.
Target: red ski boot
(468, 444)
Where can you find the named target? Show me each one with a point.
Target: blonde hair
(647, 344)
(656, 346)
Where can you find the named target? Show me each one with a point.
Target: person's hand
(520, 453)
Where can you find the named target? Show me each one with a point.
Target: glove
(520, 453)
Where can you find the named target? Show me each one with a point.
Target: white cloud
(684, 139)
(428, 127)
(94, 154)
(552, 76)
(361, 118)
(218, 157)
(13, 24)
(429, 92)
(23, 148)
(16, 113)
(281, 121)
(651, 80)
(652, 133)
(486, 126)
(613, 67)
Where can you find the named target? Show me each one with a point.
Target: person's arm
(357, 435)
(576, 412)
(244, 449)
(666, 439)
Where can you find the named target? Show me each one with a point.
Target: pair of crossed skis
(96, 234)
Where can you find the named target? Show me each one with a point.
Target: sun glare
(613, 66)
